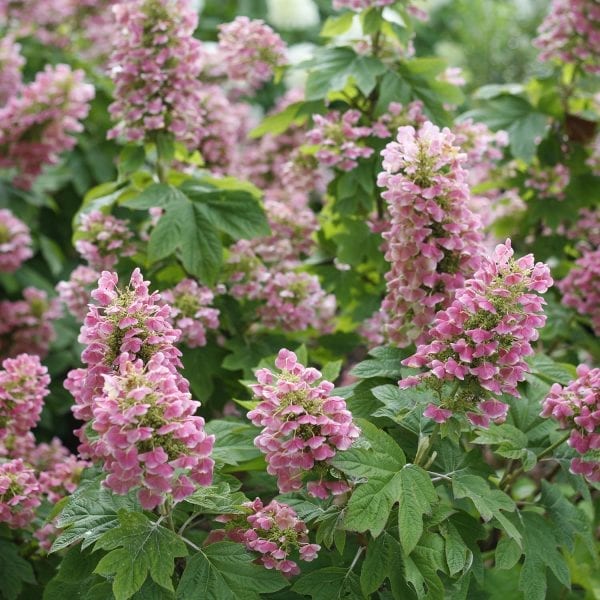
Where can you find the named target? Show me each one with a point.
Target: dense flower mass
(434, 240)
(191, 312)
(148, 436)
(577, 407)
(251, 51)
(481, 339)
(571, 33)
(75, 292)
(19, 493)
(11, 63)
(337, 139)
(38, 122)
(23, 386)
(274, 531)
(102, 239)
(26, 325)
(586, 230)
(15, 242)
(155, 66)
(548, 182)
(303, 426)
(581, 287)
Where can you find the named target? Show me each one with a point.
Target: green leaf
(377, 563)
(138, 547)
(554, 372)
(331, 370)
(89, 512)
(330, 583)
(158, 194)
(165, 237)
(509, 442)
(507, 553)
(225, 571)
(235, 212)
(234, 441)
(14, 571)
(331, 68)
(416, 498)
(421, 567)
(490, 503)
(335, 26)
(75, 577)
(277, 123)
(217, 499)
(539, 546)
(455, 548)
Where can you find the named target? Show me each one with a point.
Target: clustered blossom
(191, 312)
(26, 325)
(586, 230)
(102, 239)
(133, 397)
(274, 531)
(23, 386)
(549, 182)
(11, 63)
(155, 66)
(581, 287)
(75, 292)
(15, 242)
(398, 115)
(303, 426)
(19, 493)
(148, 436)
(38, 122)
(480, 341)
(571, 33)
(337, 138)
(577, 407)
(250, 50)
(434, 240)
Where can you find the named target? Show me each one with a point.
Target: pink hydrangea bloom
(19, 493)
(434, 240)
(273, 531)
(11, 63)
(191, 312)
(338, 139)
(398, 115)
(250, 50)
(15, 242)
(549, 182)
(75, 292)
(303, 173)
(155, 66)
(23, 386)
(581, 287)
(480, 341)
(26, 325)
(586, 231)
(102, 239)
(303, 426)
(148, 436)
(296, 301)
(571, 33)
(577, 407)
(38, 123)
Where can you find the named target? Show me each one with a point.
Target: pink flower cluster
(11, 63)
(15, 242)
(37, 124)
(481, 339)
(303, 426)
(75, 292)
(581, 287)
(549, 182)
(434, 240)
(26, 325)
(133, 397)
(571, 33)
(19, 493)
(399, 115)
(250, 50)
(274, 531)
(577, 407)
(155, 66)
(148, 434)
(191, 312)
(338, 139)
(23, 386)
(586, 231)
(102, 239)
